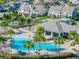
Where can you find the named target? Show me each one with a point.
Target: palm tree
(9, 32)
(39, 36)
(59, 40)
(39, 39)
(1, 39)
(2, 1)
(76, 39)
(28, 44)
(39, 31)
(72, 33)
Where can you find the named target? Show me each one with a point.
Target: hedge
(55, 56)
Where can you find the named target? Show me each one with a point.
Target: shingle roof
(67, 27)
(49, 26)
(39, 8)
(58, 27)
(54, 9)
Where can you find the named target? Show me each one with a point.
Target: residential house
(39, 9)
(74, 1)
(36, 1)
(54, 11)
(62, 11)
(69, 11)
(48, 1)
(25, 8)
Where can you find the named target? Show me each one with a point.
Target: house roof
(48, 1)
(38, 7)
(54, 9)
(67, 9)
(24, 7)
(60, 9)
(67, 27)
(49, 26)
(58, 27)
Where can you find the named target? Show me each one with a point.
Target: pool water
(18, 43)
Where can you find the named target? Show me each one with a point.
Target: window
(48, 33)
(55, 34)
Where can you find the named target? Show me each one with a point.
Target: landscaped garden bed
(55, 56)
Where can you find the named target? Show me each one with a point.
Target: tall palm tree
(59, 40)
(39, 39)
(76, 39)
(72, 33)
(39, 31)
(28, 44)
(39, 36)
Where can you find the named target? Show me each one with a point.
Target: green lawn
(43, 16)
(36, 22)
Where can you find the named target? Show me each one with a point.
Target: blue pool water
(18, 43)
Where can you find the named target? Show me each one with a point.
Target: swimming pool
(18, 43)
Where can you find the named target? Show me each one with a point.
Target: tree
(76, 39)
(59, 40)
(1, 39)
(28, 44)
(72, 22)
(9, 32)
(39, 36)
(39, 39)
(39, 31)
(4, 23)
(72, 33)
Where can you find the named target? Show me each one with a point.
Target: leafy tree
(9, 32)
(39, 39)
(39, 31)
(72, 33)
(1, 39)
(39, 36)
(76, 39)
(59, 40)
(28, 44)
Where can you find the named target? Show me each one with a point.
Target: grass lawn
(43, 16)
(36, 22)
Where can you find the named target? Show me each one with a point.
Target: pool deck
(66, 46)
